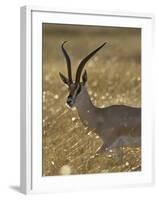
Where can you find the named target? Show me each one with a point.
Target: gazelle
(117, 125)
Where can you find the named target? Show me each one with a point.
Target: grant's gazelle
(117, 125)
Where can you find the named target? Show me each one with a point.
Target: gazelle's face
(74, 92)
(74, 89)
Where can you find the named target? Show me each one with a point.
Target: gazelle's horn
(83, 62)
(68, 62)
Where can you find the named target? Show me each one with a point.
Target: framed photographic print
(86, 100)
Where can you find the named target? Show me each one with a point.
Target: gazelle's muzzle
(70, 101)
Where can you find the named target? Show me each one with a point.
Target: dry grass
(113, 78)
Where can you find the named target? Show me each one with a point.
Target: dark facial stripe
(76, 91)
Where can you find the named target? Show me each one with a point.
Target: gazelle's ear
(64, 79)
(84, 77)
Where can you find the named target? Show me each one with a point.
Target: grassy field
(114, 77)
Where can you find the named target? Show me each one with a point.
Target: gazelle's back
(117, 114)
(119, 125)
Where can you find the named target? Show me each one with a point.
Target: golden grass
(114, 77)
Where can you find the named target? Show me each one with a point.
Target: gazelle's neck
(86, 109)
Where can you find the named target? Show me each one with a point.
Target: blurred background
(114, 77)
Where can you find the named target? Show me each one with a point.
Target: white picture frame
(31, 112)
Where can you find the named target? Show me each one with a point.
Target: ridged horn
(83, 62)
(68, 62)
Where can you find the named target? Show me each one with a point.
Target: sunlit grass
(113, 78)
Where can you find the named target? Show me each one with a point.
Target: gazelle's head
(77, 87)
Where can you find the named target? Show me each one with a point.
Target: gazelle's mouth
(70, 105)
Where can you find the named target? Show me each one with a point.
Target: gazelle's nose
(69, 101)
